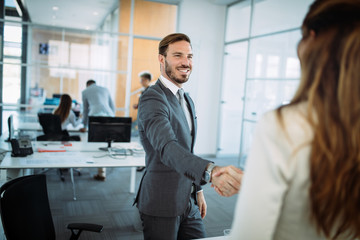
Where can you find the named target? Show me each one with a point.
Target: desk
(79, 155)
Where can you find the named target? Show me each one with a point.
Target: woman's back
(274, 198)
(65, 112)
(303, 174)
(71, 119)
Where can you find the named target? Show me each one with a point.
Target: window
(271, 66)
(12, 60)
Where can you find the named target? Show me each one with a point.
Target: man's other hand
(201, 203)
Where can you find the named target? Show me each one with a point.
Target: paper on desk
(52, 148)
(53, 158)
(64, 154)
(39, 161)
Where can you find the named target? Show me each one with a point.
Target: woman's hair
(330, 85)
(64, 107)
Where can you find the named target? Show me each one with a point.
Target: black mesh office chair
(26, 214)
(51, 125)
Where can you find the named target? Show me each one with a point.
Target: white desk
(79, 155)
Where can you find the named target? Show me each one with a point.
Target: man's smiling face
(178, 62)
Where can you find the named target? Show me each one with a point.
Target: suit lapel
(193, 118)
(177, 108)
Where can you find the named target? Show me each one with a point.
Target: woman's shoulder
(291, 121)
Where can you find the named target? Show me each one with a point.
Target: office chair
(51, 126)
(26, 214)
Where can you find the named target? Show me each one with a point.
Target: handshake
(226, 180)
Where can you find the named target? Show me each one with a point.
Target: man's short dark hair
(90, 82)
(169, 39)
(146, 75)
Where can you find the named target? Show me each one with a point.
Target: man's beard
(172, 76)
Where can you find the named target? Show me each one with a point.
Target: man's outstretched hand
(226, 180)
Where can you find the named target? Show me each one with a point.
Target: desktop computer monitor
(56, 95)
(109, 129)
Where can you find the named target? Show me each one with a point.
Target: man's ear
(312, 34)
(161, 58)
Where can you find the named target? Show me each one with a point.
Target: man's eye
(190, 57)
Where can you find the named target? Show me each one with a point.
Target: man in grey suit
(170, 199)
(96, 102)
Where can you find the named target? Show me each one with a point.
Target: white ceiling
(81, 14)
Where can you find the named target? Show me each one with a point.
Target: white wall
(204, 23)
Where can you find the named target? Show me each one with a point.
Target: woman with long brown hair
(67, 116)
(302, 180)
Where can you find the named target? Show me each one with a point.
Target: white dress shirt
(273, 202)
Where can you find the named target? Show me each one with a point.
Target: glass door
(231, 111)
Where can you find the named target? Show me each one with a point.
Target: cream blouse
(273, 202)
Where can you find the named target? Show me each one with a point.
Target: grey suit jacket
(171, 168)
(97, 102)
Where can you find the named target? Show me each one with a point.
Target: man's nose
(185, 62)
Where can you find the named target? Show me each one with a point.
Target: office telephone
(21, 147)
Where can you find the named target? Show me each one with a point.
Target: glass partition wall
(261, 69)
(61, 60)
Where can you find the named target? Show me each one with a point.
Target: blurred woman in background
(302, 180)
(67, 116)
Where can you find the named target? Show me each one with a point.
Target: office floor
(109, 203)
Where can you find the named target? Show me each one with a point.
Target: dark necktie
(184, 107)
